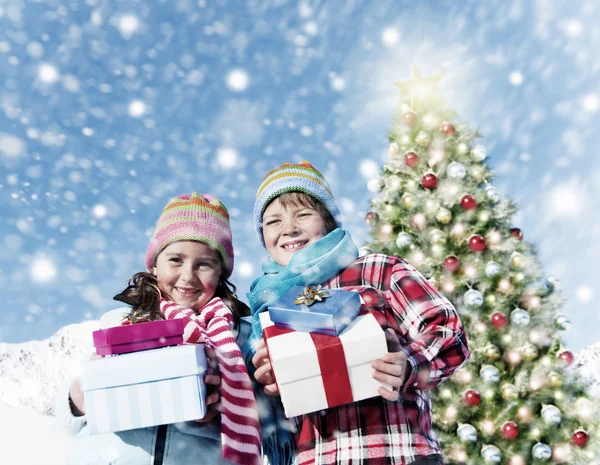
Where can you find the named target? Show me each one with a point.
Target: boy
(298, 223)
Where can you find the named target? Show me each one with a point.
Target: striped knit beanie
(302, 177)
(195, 217)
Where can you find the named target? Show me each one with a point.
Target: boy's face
(189, 272)
(288, 230)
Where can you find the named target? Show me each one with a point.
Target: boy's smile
(288, 230)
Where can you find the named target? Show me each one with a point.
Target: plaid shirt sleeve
(427, 324)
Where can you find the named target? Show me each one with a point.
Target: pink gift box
(138, 336)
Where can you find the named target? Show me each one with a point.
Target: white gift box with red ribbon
(315, 372)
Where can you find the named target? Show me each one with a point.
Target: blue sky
(107, 109)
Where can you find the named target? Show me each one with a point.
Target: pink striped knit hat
(195, 217)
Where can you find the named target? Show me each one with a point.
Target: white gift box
(297, 368)
(141, 389)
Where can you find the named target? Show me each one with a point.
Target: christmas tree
(516, 401)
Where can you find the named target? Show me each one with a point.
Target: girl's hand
(391, 368)
(264, 372)
(76, 401)
(213, 388)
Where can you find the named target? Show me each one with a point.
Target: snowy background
(109, 108)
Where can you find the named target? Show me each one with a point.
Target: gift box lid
(137, 332)
(330, 315)
(294, 357)
(143, 367)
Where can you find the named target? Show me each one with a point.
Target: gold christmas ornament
(524, 414)
(444, 216)
(462, 148)
(408, 201)
(509, 392)
(517, 260)
(423, 139)
(491, 352)
(554, 379)
(436, 236)
(490, 299)
(438, 250)
(477, 172)
(529, 351)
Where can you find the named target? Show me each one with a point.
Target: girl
(189, 259)
(298, 223)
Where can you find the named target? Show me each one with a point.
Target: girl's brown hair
(143, 294)
(300, 199)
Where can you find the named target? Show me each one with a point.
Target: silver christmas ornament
(492, 269)
(520, 317)
(393, 149)
(553, 283)
(541, 451)
(364, 250)
(492, 193)
(489, 374)
(478, 153)
(551, 414)
(467, 433)
(562, 322)
(473, 298)
(456, 170)
(491, 454)
(374, 185)
(403, 240)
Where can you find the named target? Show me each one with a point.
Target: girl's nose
(188, 274)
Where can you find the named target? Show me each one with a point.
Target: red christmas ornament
(476, 243)
(468, 202)
(510, 430)
(411, 159)
(517, 233)
(409, 118)
(580, 438)
(451, 263)
(429, 181)
(472, 398)
(499, 320)
(447, 129)
(372, 218)
(566, 356)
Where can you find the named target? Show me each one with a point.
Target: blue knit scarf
(312, 265)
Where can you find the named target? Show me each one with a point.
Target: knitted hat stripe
(195, 201)
(302, 177)
(308, 175)
(189, 237)
(190, 215)
(194, 217)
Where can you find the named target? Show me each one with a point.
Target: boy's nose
(290, 227)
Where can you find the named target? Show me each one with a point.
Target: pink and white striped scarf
(240, 434)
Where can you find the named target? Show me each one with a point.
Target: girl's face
(288, 230)
(189, 272)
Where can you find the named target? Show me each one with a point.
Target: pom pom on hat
(302, 177)
(195, 217)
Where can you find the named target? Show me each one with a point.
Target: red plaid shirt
(376, 431)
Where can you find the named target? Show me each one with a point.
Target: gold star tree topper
(418, 86)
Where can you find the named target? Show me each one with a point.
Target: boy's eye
(271, 222)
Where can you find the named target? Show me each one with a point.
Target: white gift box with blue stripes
(140, 389)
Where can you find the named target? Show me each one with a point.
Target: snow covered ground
(30, 438)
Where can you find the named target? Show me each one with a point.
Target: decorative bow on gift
(311, 295)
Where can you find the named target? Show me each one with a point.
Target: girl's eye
(205, 265)
(175, 259)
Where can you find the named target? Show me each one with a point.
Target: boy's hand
(264, 372)
(213, 387)
(391, 368)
